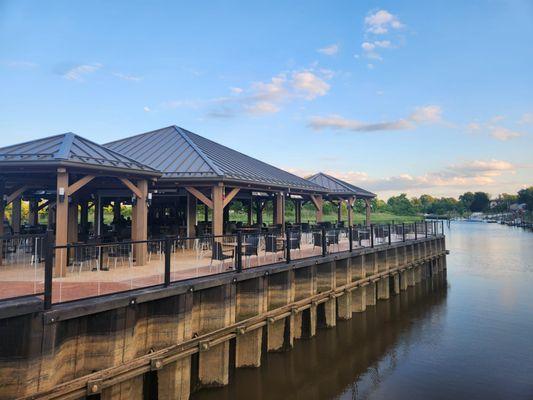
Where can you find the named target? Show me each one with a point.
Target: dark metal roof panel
(338, 186)
(179, 153)
(71, 148)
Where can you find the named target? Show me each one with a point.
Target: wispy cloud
(503, 134)
(127, 77)
(420, 115)
(146, 109)
(381, 21)
(78, 72)
(495, 129)
(526, 119)
(19, 64)
(330, 50)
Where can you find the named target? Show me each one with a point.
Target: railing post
(350, 237)
(324, 242)
(442, 226)
(390, 238)
(238, 252)
(48, 269)
(426, 227)
(403, 231)
(168, 252)
(416, 232)
(371, 235)
(287, 246)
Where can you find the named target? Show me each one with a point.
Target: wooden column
(259, 211)
(250, 211)
(318, 203)
(116, 210)
(206, 213)
(2, 211)
(349, 208)
(16, 215)
(98, 216)
(368, 210)
(34, 213)
(217, 197)
(141, 223)
(191, 215)
(84, 214)
(280, 208)
(51, 215)
(60, 265)
(298, 211)
(339, 211)
(274, 211)
(72, 233)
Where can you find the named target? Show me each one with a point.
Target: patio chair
(332, 238)
(317, 240)
(272, 245)
(83, 256)
(295, 240)
(220, 254)
(250, 248)
(120, 252)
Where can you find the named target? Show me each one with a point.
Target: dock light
(149, 199)
(61, 193)
(133, 200)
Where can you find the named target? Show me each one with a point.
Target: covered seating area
(110, 210)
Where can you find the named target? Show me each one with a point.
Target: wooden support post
(368, 211)
(259, 210)
(116, 210)
(2, 212)
(16, 215)
(298, 211)
(206, 213)
(72, 233)
(34, 213)
(217, 198)
(140, 215)
(191, 215)
(280, 208)
(349, 207)
(318, 203)
(339, 211)
(84, 214)
(250, 211)
(60, 265)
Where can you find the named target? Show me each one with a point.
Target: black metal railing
(84, 270)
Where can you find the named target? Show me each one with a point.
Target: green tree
(400, 205)
(480, 202)
(526, 196)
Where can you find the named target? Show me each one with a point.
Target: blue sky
(417, 97)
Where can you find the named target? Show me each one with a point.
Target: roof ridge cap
(66, 146)
(200, 152)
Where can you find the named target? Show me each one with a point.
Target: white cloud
(370, 66)
(527, 119)
(127, 77)
(262, 107)
(381, 21)
(329, 50)
(77, 73)
(19, 64)
(367, 46)
(147, 109)
(430, 114)
(236, 90)
(309, 84)
(385, 44)
(473, 127)
(503, 134)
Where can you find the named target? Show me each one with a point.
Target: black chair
(295, 240)
(332, 238)
(317, 240)
(221, 254)
(250, 248)
(271, 245)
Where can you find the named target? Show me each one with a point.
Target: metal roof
(181, 154)
(69, 149)
(339, 187)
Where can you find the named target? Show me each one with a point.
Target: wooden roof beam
(79, 184)
(230, 196)
(200, 196)
(130, 185)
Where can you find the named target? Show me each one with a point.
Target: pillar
(370, 294)
(60, 265)
(344, 305)
(2, 211)
(383, 288)
(16, 215)
(330, 307)
(139, 227)
(191, 215)
(349, 208)
(116, 210)
(368, 211)
(404, 280)
(280, 208)
(34, 213)
(250, 211)
(217, 194)
(396, 283)
(259, 211)
(298, 211)
(206, 213)
(339, 211)
(359, 299)
(319, 211)
(84, 214)
(72, 234)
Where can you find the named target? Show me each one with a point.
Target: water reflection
(349, 361)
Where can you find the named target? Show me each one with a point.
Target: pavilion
(339, 191)
(165, 175)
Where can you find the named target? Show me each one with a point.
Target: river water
(468, 338)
